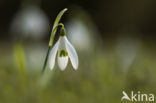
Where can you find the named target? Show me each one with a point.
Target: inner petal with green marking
(63, 53)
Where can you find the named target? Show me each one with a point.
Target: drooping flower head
(64, 51)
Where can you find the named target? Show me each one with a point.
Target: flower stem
(53, 34)
(46, 59)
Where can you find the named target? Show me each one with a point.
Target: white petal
(62, 43)
(62, 62)
(72, 54)
(53, 55)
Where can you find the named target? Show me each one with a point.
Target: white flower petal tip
(52, 56)
(62, 62)
(76, 67)
(72, 54)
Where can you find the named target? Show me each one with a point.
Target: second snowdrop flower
(64, 51)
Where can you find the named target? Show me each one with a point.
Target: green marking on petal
(63, 53)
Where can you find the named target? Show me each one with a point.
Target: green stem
(53, 34)
(46, 59)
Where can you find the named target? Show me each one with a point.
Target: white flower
(63, 49)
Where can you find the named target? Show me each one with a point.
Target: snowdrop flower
(64, 50)
(127, 49)
(31, 21)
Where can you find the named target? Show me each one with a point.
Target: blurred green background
(115, 42)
